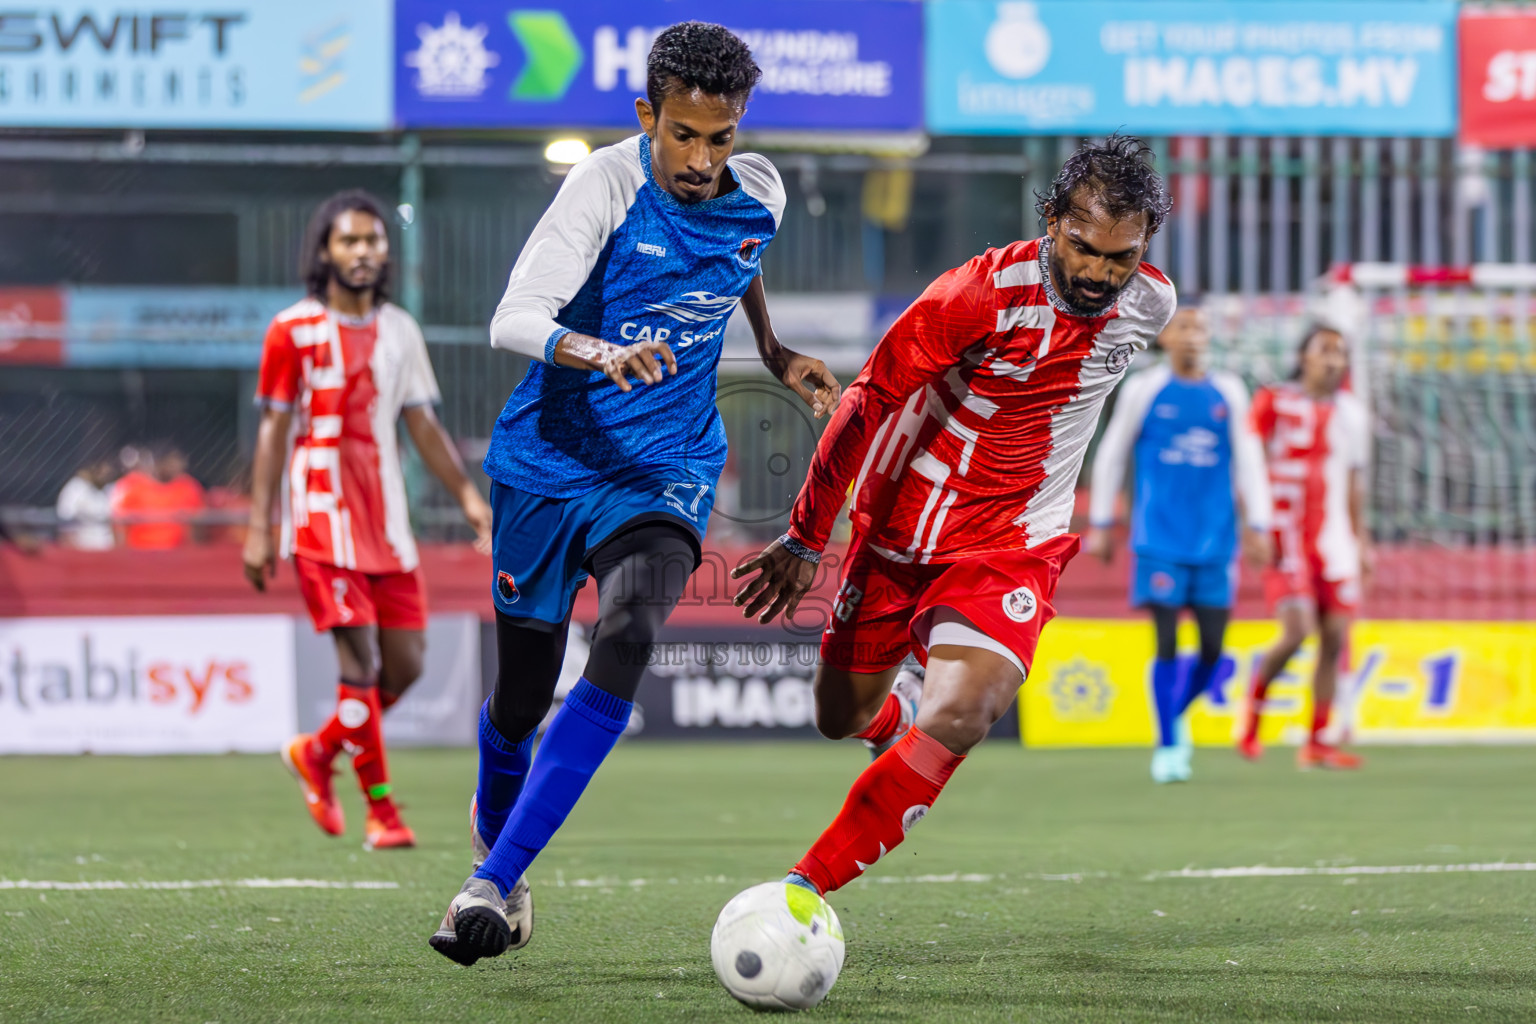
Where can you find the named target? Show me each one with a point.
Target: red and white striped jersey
(1313, 446)
(967, 426)
(347, 381)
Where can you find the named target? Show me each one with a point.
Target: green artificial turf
(1028, 894)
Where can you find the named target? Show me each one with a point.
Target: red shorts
(882, 607)
(1282, 586)
(346, 597)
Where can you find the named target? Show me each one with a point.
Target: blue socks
(1199, 679)
(584, 730)
(1165, 682)
(503, 769)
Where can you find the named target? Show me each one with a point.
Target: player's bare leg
(1332, 635)
(402, 653)
(966, 691)
(1296, 623)
(877, 707)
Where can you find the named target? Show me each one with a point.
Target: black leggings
(1213, 628)
(641, 574)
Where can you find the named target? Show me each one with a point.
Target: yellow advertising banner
(1407, 682)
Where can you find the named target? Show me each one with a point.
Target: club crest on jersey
(506, 586)
(748, 253)
(1020, 605)
(1119, 358)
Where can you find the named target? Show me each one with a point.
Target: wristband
(799, 550)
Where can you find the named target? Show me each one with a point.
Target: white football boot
(908, 689)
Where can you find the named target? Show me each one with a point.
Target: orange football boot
(314, 774)
(1250, 748)
(384, 830)
(1322, 755)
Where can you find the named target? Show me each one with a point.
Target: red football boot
(1250, 748)
(384, 830)
(1321, 755)
(313, 770)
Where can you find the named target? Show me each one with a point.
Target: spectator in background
(231, 507)
(155, 509)
(85, 508)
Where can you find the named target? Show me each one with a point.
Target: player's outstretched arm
(260, 556)
(805, 375)
(785, 571)
(442, 458)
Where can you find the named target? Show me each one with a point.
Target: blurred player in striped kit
(338, 370)
(1200, 485)
(1317, 437)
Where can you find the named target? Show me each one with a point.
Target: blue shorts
(541, 546)
(1154, 581)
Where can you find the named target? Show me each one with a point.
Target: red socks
(1320, 712)
(355, 726)
(1256, 691)
(885, 723)
(886, 800)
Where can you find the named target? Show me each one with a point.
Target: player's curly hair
(315, 270)
(699, 55)
(1118, 178)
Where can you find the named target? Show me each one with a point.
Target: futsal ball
(777, 946)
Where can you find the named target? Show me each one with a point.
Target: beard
(1070, 288)
(356, 289)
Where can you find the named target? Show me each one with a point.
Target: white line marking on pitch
(201, 883)
(1265, 871)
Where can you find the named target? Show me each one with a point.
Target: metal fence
(1257, 222)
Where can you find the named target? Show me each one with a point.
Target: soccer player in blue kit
(1199, 472)
(605, 459)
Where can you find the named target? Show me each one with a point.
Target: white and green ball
(777, 947)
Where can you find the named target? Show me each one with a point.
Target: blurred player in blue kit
(605, 460)
(1200, 485)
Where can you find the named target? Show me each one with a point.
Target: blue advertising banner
(322, 64)
(107, 325)
(1306, 68)
(827, 64)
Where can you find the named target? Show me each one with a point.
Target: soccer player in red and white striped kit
(338, 370)
(963, 438)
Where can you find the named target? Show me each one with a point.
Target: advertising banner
(170, 326)
(1498, 77)
(1439, 682)
(827, 64)
(1307, 68)
(31, 322)
(287, 64)
(442, 709)
(160, 685)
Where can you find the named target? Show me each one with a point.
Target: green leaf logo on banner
(554, 55)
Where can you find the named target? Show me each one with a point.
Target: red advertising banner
(1498, 78)
(20, 308)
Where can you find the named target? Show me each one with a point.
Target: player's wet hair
(1313, 329)
(315, 270)
(698, 55)
(1118, 178)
